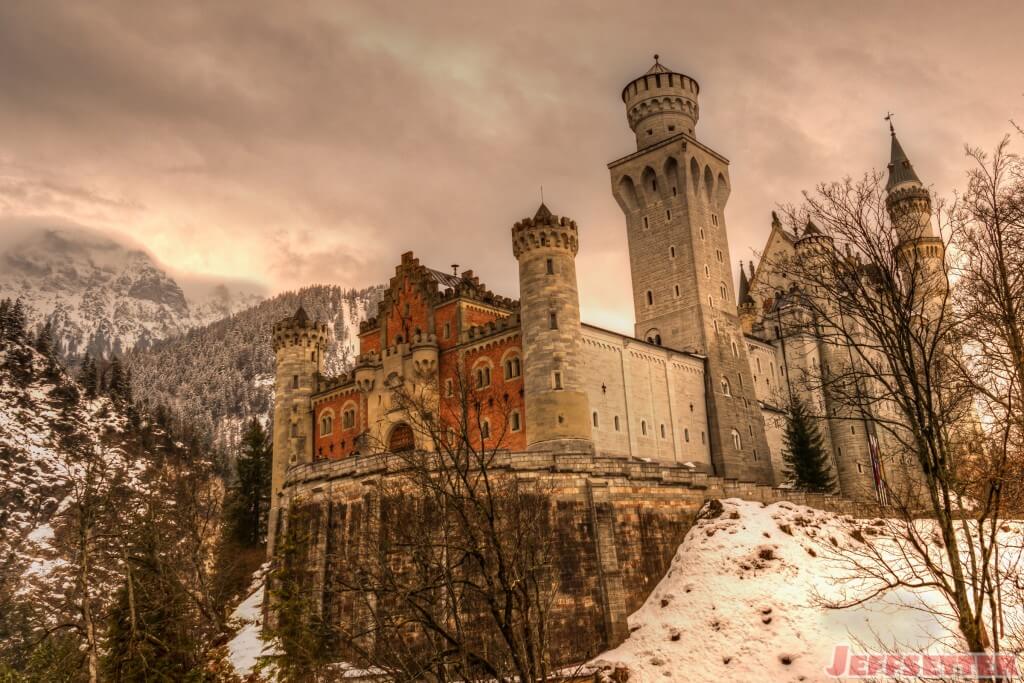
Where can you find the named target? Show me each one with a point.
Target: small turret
(907, 200)
(299, 345)
(661, 104)
(557, 408)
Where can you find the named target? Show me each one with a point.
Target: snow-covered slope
(744, 601)
(107, 296)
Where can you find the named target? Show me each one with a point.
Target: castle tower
(298, 347)
(910, 211)
(557, 409)
(673, 192)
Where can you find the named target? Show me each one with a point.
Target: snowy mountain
(217, 375)
(104, 295)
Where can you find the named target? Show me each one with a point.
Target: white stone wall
(648, 388)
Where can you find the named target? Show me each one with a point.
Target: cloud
(318, 142)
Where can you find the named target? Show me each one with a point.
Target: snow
(743, 601)
(245, 649)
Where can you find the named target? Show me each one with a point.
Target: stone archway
(401, 438)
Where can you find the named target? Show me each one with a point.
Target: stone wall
(616, 522)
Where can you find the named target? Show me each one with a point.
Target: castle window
(447, 330)
(673, 191)
(718, 255)
(483, 377)
(646, 223)
(839, 452)
(595, 418)
(668, 214)
(543, 240)
(670, 129)
(295, 381)
(295, 429)
(702, 233)
(551, 266)
(650, 131)
(853, 430)
(677, 290)
(707, 271)
(737, 441)
(553, 320)
(514, 422)
(557, 380)
(643, 427)
(671, 252)
(714, 219)
(723, 291)
(711, 302)
(449, 387)
(650, 298)
(348, 418)
(686, 435)
(725, 387)
(758, 361)
(312, 356)
(703, 438)
(663, 431)
(513, 368)
(755, 454)
(326, 425)
(654, 185)
(691, 407)
(735, 351)
(485, 430)
(657, 339)
(860, 469)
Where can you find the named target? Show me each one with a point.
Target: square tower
(673, 192)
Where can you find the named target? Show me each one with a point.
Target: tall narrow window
(686, 435)
(707, 271)
(650, 298)
(714, 219)
(553, 320)
(551, 266)
(663, 431)
(595, 418)
(668, 214)
(485, 430)
(557, 380)
(677, 290)
(616, 421)
(643, 427)
(447, 330)
(295, 381)
(513, 421)
(671, 252)
(646, 223)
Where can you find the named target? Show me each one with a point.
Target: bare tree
(873, 285)
(456, 580)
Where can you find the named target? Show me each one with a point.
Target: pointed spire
(543, 213)
(811, 229)
(900, 170)
(300, 316)
(658, 67)
(744, 292)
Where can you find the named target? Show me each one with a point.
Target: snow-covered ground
(744, 601)
(246, 648)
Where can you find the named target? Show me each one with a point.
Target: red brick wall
(340, 442)
(498, 400)
(400, 324)
(369, 341)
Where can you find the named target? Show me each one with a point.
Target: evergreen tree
(87, 377)
(44, 345)
(250, 495)
(804, 453)
(119, 388)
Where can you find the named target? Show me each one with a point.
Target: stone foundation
(617, 523)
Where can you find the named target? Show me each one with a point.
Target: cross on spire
(888, 117)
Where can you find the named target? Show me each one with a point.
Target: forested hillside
(218, 375)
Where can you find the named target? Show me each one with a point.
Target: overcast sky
(303, 142)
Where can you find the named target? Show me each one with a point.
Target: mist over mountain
(102, 294)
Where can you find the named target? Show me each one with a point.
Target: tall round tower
(299, 345)
(661, 104)
(557, 409)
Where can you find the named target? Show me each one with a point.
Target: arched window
(707, 271)
(657, 339)
(401, 438)
(553, 320)
(725, 387)
(723, 291)
(483, 376)
(643, 427)
(326, 424)
(595, 418)
(348, 416)
(735, 351)
(686, 435)
(513, 367)
(737, 441)
(616, 420)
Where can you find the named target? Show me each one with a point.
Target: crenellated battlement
(545, 231)
(299, 330)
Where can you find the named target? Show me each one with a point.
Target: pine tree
(44, 345)
(87, 377)
(119, 388)
(250, 495)
(804, 453)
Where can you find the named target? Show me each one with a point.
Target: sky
(315, 142)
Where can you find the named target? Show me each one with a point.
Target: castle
(701, 384)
